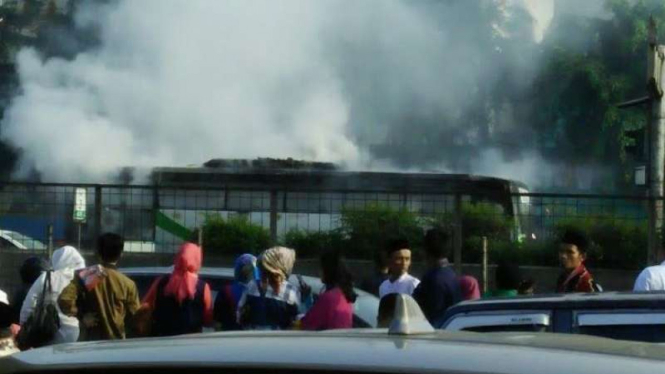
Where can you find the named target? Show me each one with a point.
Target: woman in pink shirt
(334, 308)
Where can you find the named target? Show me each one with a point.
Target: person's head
(188, 259)
(32, 268)
(275, 266)
(469, 287)
(386, 310)
(67, 257)
(508, 276)
(436, 244)
(399, 257)
(527, 287)
(245, 268)
(573, 247)
(110, 247)
(335, 273)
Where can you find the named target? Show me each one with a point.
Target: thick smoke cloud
(175, 83)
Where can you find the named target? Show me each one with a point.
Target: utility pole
(656, 135)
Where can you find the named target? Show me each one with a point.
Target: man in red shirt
(572, 254)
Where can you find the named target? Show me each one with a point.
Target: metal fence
(157, 219)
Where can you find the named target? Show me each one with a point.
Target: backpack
(44, 322)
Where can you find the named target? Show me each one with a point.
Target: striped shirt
(270, 310)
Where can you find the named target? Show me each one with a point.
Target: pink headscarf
(469, 286)
(182, 283)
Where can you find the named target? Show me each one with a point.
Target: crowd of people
(98, 302)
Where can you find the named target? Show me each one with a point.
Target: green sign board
(80, 205)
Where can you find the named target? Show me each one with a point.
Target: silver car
(365, 307)
(349, 351)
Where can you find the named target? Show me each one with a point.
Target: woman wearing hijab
(30, 270)
(181, 303)
(226, 303)
(271, 303)
(469, 287)
(64, 263)
(334, 307)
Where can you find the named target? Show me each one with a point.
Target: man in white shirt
(651, 279)
(399, 256)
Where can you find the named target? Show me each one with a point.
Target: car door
(501, 321)
(646, 325)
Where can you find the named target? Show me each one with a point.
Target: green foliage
(369, 229)
(591, 65)
(363, 232)
(615, 243)
(234, 236)
(311, 244)
(480, 220)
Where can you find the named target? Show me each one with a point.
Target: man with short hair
(572, 254)
(100, 296)
(440, 287)
(399, 262)
(651, 279)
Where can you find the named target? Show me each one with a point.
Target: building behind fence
(156, 219)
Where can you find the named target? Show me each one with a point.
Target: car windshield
(30, 243)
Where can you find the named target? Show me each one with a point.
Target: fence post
(273, 216)
(98, 212)
(485, 265)
(457, 248)
(155, 212)
(49, 238)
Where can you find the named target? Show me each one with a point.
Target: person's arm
(241, 311)
(642, 282)
(420, 294)
(151, 297)
(68, 297)
(31, 298)
(585, 284)
(208, 316)
(133, 302)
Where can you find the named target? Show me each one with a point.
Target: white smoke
(175, 83)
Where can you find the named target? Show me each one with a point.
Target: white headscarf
(66, 260)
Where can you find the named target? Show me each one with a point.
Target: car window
(144, 281)
(508, 328)
(635, 326)
(500, 321)
(6, 244)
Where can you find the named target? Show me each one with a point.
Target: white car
(14, 240)
(365, 308)
(347, 351)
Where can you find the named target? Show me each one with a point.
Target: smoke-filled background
(506, 88)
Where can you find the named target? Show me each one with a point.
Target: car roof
(362, 350)
(565, 301)
(220, 272)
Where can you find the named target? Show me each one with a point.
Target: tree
(591, 65)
